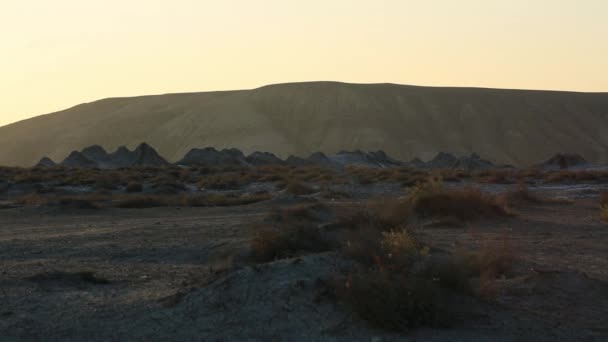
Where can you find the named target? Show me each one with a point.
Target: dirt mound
(211, 157)
(297, 161)
(96, 156)
(449, 161)
(46, 162)
(122, 157)
(276, 301)
(564, 161)
(96, 153)
(263, 158)
(377, 159)
(145, 155)
(78, 160)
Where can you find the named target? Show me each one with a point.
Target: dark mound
(122, 157)
(145, 155)
(448, 161)
(377, 159)
(320, 159)
(564, 161)
(78, 160)
(96, 156)
(263, 158)
(95, 153)
(297, 161)
(211, 157)
(46, 162)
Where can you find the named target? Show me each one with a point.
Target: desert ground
(206, 261)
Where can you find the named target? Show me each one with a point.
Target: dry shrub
(393, 301)
(335, 194)
(495, 260)
(89, 201)
(273, 244)
(311, 174)
(522, 194)
(225, 180)
(497, 177)
(134, 187)
(432, 200)
(218, 200)
(144, 201)
(298, 213)
(566, 176)
(299, 188)
(383, 213)
(604, 205)
(398, 285)
(32, 199)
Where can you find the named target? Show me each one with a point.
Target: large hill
(507, 126)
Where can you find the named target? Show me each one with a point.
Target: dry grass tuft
(467, 204)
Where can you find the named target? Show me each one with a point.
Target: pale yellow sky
(57, 53)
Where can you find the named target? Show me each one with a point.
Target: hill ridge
(508, 126)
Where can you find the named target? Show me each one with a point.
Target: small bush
(134, 187)
(298, 188)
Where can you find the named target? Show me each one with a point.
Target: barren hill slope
(508, 126)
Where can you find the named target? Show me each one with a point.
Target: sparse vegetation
(604, 206)
(400, 283)
(299, 188)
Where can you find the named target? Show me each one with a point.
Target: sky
(55, 54)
